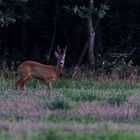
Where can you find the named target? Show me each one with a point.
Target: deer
(46, 73)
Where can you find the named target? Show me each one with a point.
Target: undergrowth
(80, 100)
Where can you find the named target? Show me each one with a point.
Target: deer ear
(56, 55)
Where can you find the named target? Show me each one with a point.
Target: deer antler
(59, 51)
(64, 50)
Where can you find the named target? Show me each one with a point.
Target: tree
(91, 35)
(92, 25)
(92, 14)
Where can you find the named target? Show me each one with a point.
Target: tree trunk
(91, 36)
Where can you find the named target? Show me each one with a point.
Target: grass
(85, 119)
(63, 135)
(58, 102)
(72, 110)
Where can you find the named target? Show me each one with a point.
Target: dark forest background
(32, 29)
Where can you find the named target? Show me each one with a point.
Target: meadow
(85, 107)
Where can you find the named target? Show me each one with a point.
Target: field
(83, 108)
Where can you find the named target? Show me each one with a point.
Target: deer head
(60, 56)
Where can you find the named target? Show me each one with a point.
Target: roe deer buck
(46, 73)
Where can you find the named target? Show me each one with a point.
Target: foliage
(33, 28)
(7, 13)
(6, 18)
(102, 11)
(84, 12)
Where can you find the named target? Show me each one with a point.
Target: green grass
(57, 118)
(87, 84)
(106, 135)
(58, 102)
(70, 102)
(70, 135)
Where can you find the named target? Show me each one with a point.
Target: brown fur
(46, 73)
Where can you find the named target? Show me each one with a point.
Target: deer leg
(49, 84)
(21, 82)
(18, 83)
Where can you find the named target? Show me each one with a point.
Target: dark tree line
(93, 30)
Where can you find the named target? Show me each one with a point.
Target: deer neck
(59, 68)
